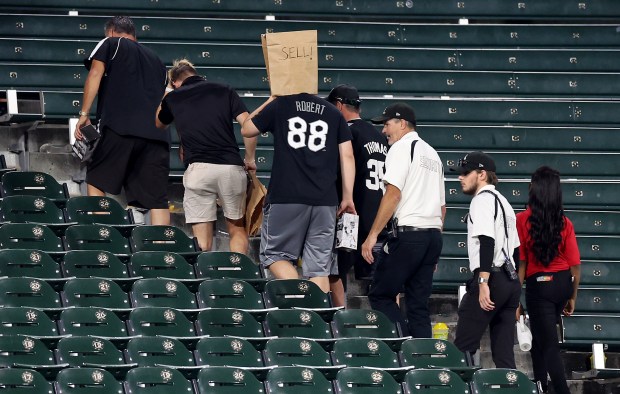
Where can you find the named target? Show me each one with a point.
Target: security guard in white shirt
(415, 196)
(492, 245)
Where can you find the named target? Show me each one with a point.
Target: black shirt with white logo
(131, 89)
(203, 113)
(307, 131)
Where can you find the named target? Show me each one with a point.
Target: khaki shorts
(205, 183)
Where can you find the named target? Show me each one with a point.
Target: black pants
(410, 262)
(545, 301)
(473, 320)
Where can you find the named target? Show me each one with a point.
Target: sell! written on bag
(291, 60)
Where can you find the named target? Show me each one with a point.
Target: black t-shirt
(131, 88)
(307, 131)
(369, 148)
(204, 112)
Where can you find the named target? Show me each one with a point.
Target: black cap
(474, 161)
(396, 111)
(346, 94)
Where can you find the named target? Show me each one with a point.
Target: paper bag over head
(292, 62)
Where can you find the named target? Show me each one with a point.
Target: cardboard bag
(254, 205)
(292, 62)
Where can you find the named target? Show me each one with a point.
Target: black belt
(404, 229)
(493, 269)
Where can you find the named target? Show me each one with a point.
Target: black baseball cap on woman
(477, 160)
(395, 111)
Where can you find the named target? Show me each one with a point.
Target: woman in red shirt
(550, 266)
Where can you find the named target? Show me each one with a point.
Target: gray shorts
(293, 230)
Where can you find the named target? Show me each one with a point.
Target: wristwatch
(82, 113)
(483, 280)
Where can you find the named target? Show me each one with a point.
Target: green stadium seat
(597, 300)
(227, 351)
(161, 292)
(228, 380)
(297, 380)
(32, 263)
(598, 247)
(435, 353)
(595, 222)
(21, 380)
(95, 292)
(219, 322)
(26, 321)
(164, 238)
(33, 209)
(97, 237)
(299, 294)
(169, 322)
(219, 265)
(599, 273)
(153, 351)
(28, 292)
(159, 264)
(451, 273)
(97, 264)
(281, 352)
(88, 351)
(99, 210)
(370, 353)
(34, 183)
(584, 330)
(422, 381)
(28, 352)
(100, 322)
(87, 381)
(501, 380)
(229, 293)
(357, 380)
(30, 236)
(156, 380)
(366, 323)
(298, 323)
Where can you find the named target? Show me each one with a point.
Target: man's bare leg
(94, 191)
(322, 281)
(337, 288)
(204, 234)
(160, 216)
(238, 237)
(283, 269)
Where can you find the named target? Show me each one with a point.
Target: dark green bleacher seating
(599, 300)
(600, 273)
(587, 329)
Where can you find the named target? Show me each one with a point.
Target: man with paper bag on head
(310, 139)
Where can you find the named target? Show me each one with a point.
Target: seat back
(431, 353)
(78, 351)
(87, 381)
(221, 351)
(29, 236)
(584, 330)
(364, 352)
(228, 380)
(33, 209)
(297, 380)
(152, 351)
(19, 349)
(151, 321)
(96, 210)
(163, 293)
(156, 380)
(228, 293)
(97, 292)
(18, 380)
(28, 262)
(217, 265)
(96, 237)
(350, 323)
(160, 265)
(296, 323)
(430, 380)
(26, 321)
(224, 321)
(91, 321)
(32, 183)
(290, 293)
(295, 351)
(93, 263)
(354, 380)
(502, 380)
(27, 292)
(161, 238)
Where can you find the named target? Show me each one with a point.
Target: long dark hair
(547, 219)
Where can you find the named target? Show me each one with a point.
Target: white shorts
(205, 183)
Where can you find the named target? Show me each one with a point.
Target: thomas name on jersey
(309, 106)
(375, 147)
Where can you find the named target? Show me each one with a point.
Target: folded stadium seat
(21, 380)
(368, 352)
(95, 292)
(29, 321)
(157, 380)
(100, 210)
(296, 380)
(87, 351)
(100, 322)
(435, 353)
(227, 380)
(299, 294)
(298, 323)
(502, 380)
(229, 351)
(34, 183)
(169, 322)
(357, 380)
(429, 381)
(97, 237)
(87, 381)
(28, 352)
(451, 273)
(218, 265)
(163, 293)
(299, 351)
(31, 263)
(161, 351)
(97, 264)
(351, 323)
(29, 292)
(33, 209)
(598, 300)
(159, 264)
(3, 166)
(231, 293)
(31, 236)
(219, 322)
(166, 239)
